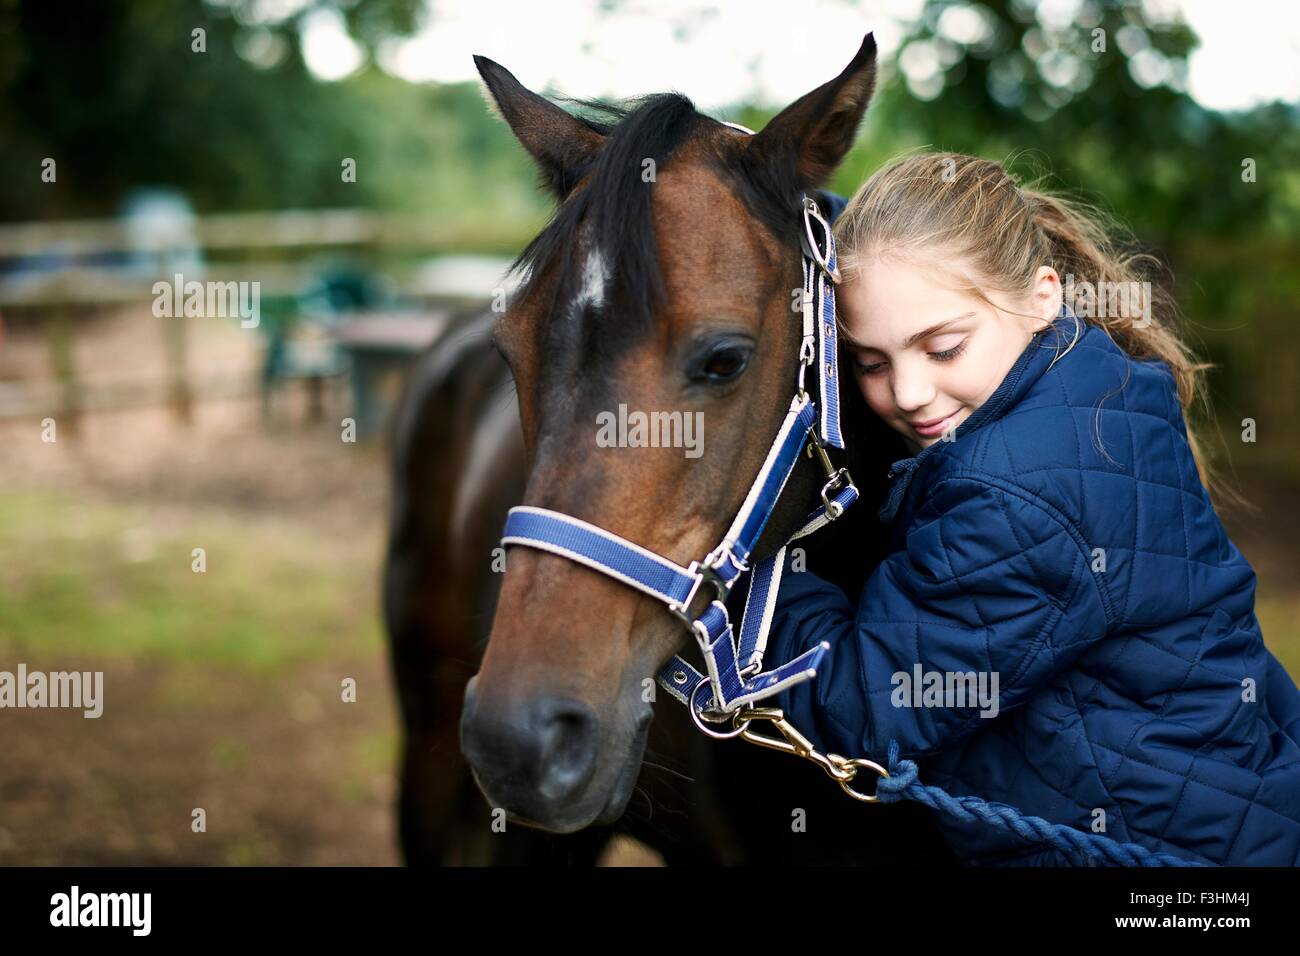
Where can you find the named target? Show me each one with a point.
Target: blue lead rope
(1096, 849)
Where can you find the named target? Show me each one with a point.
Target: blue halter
(734, 668)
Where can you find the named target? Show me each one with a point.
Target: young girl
(1062, 624)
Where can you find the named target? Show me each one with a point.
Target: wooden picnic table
(378, 344)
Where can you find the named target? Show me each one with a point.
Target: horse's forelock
(601, 239)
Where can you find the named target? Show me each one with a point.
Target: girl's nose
(912, 389)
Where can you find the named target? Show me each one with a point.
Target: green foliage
(81, 577)
(1067, 101)
(119, 99)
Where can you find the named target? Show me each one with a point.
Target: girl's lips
(934, 426)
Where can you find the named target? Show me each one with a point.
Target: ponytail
(954, 203)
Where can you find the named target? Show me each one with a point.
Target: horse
(665, 279)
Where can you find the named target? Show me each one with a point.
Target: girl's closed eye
(946, 355)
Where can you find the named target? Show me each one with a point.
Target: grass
(84, 577)
(224, 685)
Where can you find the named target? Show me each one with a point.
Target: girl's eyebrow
(911, 339)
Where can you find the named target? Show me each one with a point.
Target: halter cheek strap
(733, 668)
(820, 276)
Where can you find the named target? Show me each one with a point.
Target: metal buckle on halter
(702, 572)
(833, 508)
(819, 446)
(807, 355)
(680, 610)
(807, 352)
(714, 560)
(838, 477)
(810, 211)
(721, 717)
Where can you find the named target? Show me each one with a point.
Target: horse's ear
(561, 144)
(813, 134)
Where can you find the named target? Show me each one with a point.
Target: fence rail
(279, 229)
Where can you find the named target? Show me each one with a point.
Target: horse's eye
(725, 363)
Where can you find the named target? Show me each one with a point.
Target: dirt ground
(286, 772)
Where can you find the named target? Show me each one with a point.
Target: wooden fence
(62, 271)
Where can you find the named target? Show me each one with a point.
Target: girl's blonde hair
(970, 220)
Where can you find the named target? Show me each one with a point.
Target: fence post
(175, 338)
(64, 365)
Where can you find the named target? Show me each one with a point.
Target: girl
(1062, 623)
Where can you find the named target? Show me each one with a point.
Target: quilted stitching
(1119, 689)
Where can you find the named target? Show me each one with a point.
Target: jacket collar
(1039, 355)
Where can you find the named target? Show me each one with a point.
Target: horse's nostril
(566, 731)
(535, 758)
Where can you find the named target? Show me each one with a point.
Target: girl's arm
(994, 591)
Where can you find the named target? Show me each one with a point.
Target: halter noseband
(735, 673)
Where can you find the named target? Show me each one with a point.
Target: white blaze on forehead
(595, 276)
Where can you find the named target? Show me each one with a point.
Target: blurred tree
(1095, 94)
(115, 92)
(369, 22)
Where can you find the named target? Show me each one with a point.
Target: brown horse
(665, 280)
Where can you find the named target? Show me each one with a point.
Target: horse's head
(666, 282)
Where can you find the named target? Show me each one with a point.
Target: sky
(755, 50)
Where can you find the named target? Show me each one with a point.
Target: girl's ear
(1046, 297)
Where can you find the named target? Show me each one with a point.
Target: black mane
(615, 205)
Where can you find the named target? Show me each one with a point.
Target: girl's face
(926, 356)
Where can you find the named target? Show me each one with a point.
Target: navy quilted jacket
(1063, 542)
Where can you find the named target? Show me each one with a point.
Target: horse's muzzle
(537, 759)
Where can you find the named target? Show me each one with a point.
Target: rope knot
(902, 774)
